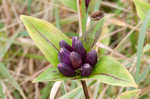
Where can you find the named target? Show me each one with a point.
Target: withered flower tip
(87, 3)
(74, 58)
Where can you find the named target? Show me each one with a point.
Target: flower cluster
(75, 59)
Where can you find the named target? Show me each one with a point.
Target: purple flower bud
(74, 40)
(75, 60)
(66, 70)
(86, 70)
(64, 56)
(91, 57)
(63, 44)
(87, 3)
(78, 47)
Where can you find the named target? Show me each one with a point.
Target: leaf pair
(47, 38)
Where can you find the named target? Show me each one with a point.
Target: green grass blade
(141, 39)
(1, 92)
(7, 46)
(97, 5)
(144, 74)
(56, 10)
(82, 14)
(96, 90)
(132, 94)
(29, 6)
(5, 74)
(70, 4)
(74, 92)
(46, 90)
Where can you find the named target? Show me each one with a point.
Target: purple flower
(66, 69)
(64, 56)
(63, 44)
(78, 47)
(91, 57)
(86, 69)
(75, 58)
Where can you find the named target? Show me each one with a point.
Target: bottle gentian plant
(75, 59)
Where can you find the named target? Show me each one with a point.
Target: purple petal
(64, 56)
(74, 40)
(86, 70)
(91, 57)
(66, 70)
(78, 47)
(76, 60)
(63, 44)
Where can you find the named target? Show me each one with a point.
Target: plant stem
(85, 89)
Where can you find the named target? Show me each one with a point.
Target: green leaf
(142, 8)
(110, 71)
(107, 70)
(51, 74)
(103, 39)
(93, 34)
(46, 37)
(129, 94)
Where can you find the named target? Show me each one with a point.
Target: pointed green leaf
(112, 72)
(51, 74)
(129, 94)
(93, 34)
(46, 37)
(107, 70)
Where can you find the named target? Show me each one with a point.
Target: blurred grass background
(21, 61)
